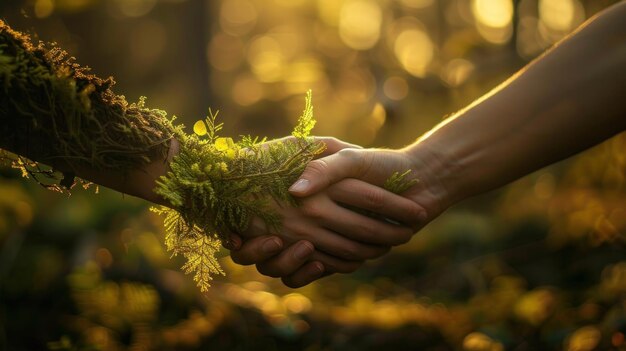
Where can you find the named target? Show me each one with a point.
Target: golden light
(297, 303)
(328, 11)
(43, 8)
(494, 19)
(135, 8)
(557, 14)
(481, 342)
(457, 71)
(356, 86)
(305, 74)
(73, 5)
(396, 88)
(359, 24)
(493, 13)
(266, 59)
(291, 3)
(247, 90)
(237, 17)
(416, 4)
(225, 52)
(415, 51)
(584, 339)
(378, 116)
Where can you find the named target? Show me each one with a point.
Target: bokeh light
(237, 17)
(396, 88)
(359, 23)
(542, 257)
(494, 19)
(414, 50)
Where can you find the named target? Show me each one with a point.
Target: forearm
(53, 112)
(139, 182)
(566, 101)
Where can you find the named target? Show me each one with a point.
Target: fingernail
(319, 268)
(300, 186)
(303, 250)
(271, 246)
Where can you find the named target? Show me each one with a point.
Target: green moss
(54, 112)
(216, 186)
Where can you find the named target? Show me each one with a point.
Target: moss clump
(53, 111)
(216, 186)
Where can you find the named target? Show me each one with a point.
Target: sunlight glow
(416, 4)
(359, 24)
(237, 17)
(457, 71)
(493, 13)
(266, 59)
(247, 90)
(415, 51)
(559, 15)
(135, 8)
(396, 88)
(43, 8)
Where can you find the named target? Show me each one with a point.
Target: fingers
(321, 213)
(363, 229)
(362, 195)
(320, 173)
(305, 275)
(288, 261)
(234, 242)
(321, 266)
(257, 249)
(334, 145)
(333, 264)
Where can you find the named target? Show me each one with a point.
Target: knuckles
(316, 169)
(312, 210)
(269, 271)
(374, 199)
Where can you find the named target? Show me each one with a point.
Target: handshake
(345, 215)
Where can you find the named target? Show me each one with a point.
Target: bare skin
(566, 101)
(313, 239)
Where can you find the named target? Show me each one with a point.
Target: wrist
(439, 186)
(146, 179)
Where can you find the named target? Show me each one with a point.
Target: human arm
(54, 112)
(567, 100)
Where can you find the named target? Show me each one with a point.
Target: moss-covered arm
(54, 113)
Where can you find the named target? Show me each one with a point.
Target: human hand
(323, 220)
(375, 166)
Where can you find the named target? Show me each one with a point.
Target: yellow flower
(223, 144)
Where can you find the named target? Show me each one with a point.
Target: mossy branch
(53, 111)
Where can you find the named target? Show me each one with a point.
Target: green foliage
(54, 111)
(59, 114)
(216, 186)
(398, 182)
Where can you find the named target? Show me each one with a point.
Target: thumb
(334, 145)
(323, 172)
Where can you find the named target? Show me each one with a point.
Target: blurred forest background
(537, 265)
